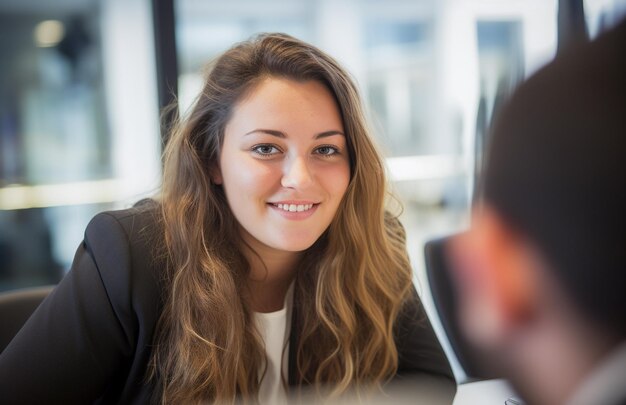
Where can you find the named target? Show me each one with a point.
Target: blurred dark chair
(16, 307)
(445, 299)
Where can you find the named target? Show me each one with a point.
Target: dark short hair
(555, 171)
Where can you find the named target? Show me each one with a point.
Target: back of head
(555, 173)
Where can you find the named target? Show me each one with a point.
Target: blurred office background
(81, 83)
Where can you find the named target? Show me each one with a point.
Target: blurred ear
(494, 275)
(216, 175)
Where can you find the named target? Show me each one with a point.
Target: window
(78, 126)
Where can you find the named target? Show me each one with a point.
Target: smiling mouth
(294, 207)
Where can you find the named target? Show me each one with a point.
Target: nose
(297, 173)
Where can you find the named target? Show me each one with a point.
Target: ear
(216, 175)
(494, 275)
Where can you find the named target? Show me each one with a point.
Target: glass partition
(78, 126)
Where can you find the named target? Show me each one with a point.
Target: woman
(267, 264)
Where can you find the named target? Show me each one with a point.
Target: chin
(293, 244)
(294, 241)
(293, 247)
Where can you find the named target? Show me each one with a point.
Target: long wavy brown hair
(350, 285)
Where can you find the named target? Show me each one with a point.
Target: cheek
(337, 181)
(246, 177)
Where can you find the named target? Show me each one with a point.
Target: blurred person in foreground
(268, 264)
(541, 274)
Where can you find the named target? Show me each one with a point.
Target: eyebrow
(280, 134)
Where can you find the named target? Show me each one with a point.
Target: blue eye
(327, 150)
(265, 150)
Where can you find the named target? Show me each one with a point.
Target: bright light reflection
(53, 195)
(424, 167)
(48, 33)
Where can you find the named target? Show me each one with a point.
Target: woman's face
(284, 164)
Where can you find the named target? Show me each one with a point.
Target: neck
(553, 364)
(271, 274)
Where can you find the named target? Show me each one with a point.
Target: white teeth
(294, 207)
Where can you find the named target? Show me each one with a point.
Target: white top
(606, 384)
(275, 328)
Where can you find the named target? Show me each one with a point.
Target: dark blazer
(90, 340)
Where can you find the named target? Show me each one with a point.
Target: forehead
(286, 105)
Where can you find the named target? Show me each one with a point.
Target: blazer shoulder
(142, 218)
(139, 228)
(128, 250)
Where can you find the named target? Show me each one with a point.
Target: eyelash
(256, 149)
